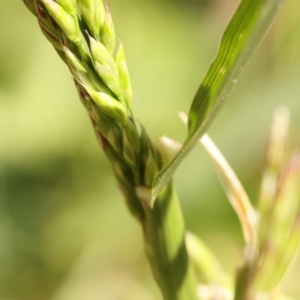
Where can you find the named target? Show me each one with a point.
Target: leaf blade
(240, 41)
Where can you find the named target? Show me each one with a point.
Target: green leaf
(241, 39)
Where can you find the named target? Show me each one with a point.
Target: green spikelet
(125, 81)
(101, 55)
(49, 28)
(66, 22)
(84, 74)
(108, 35)
(150, 158)
(131, 144)
(70, 6)
(109, 106)
(93, 13)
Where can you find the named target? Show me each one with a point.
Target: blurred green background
(65, 233)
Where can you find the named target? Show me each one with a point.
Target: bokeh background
(65, 233)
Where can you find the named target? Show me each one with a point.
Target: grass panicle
(83, 34)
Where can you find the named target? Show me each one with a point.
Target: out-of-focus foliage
(64, 229)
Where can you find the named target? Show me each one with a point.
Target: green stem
(244, 281)
(164, 233)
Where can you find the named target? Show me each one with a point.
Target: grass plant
(82, 33)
